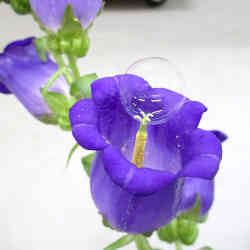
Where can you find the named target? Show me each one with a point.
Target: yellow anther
(141, 139)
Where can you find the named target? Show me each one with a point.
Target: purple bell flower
(142, 170)
(23, 73)
(51, 12)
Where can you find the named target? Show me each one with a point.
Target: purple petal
(24, 73)
(163, 148)
(137, 96)
(201, 154)
(194, 187)
(83, 117)
(51, 12)
(131, 213)
(220, 135)
(3, 89)
(114, 123)
(139, 181)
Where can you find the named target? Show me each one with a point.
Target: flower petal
(163, 148)
(139, 181)
(201, 154)
(138, 96)
(186, 118)
(114, 123)
(220, 135)
(194, 187)
(83, 118)
(51, 12)
(128, 212)
(24, 73)
(3, 89)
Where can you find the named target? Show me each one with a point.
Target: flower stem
(142, 243)
(60, 62)
(53, 78)
(73, 66)
(178, 245)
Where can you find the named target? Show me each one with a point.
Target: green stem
(60, 62)
(142, 243)
(73, 66)
(53, 78)
(178, 245)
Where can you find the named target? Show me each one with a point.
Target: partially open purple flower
(149, 147)
(23, 73)
(51, 12)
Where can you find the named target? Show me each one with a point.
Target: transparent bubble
(159, 73)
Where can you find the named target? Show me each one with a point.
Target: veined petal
(114, 123)
(83, 118)
(193, 188)
(24, 73)
(201, 154)
(138, 181)
(131, 213)
(164, 142)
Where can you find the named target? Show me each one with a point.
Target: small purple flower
(142, 170)
(51, 12)
(23, 73)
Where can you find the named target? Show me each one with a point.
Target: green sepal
(148, 234)
(72, 39)
(82, 87)
(87, 162)
(48, 119)
(122, 242)
(142, 243)
(188, 231)
(60, 106)
(106, 223)
(21, 7)
(194, 213)
(42, 47)
(169, 233)
(72, 151)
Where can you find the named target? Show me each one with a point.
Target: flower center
(141, 139)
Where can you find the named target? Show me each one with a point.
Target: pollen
(141, 139)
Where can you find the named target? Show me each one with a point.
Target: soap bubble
(159, 73)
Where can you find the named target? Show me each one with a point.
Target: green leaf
(71, 153)
(87, 162)
(169, 233)
(82, 87)
(123, 241)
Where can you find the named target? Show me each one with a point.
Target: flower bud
(169, 233)
(188, 231)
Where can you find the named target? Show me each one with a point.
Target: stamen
(141, 139)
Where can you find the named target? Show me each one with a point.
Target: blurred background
(44, 206)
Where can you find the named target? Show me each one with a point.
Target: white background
(43, 206)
